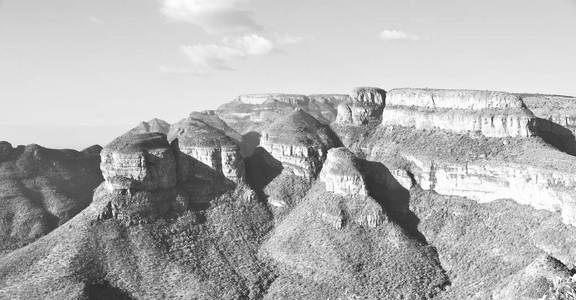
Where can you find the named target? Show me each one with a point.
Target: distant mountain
(41, 189)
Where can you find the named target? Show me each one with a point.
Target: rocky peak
(139, 162)
(366, 105)
(154, 125)
(299, 142)
(342, 175)
(369, 95)
(209, 145)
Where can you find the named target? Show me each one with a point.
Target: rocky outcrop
(485, 182)
(492, 114)
(329, 98)
(366, 105)
(209, 145)
(300, 143)
(139, 162)
(342, 175)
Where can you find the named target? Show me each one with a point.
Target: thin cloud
(398, 35)
(219, 56)
(214, 16)
(289, 39)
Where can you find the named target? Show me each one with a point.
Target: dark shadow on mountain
(393, 197)
(198, 181)
(556, 135)
(104, 291)
(250, 141)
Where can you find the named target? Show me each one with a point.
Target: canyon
(399, 194)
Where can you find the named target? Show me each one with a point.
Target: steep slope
(41, 188)
(341, 241)
(496, 250)
(149, 241)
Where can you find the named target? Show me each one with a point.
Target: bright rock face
(139, 162)
(492, 114)
(300, 143)
(366, 104)
(342, 175)
(490, 123)
(210, 146)
(453, 99)
(536, 187)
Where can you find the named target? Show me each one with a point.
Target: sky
(75, 72)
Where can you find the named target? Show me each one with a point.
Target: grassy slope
(206, 254)
(41, 189)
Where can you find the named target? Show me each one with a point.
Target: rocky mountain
(41, 189)
(249, 113)
(400, 194)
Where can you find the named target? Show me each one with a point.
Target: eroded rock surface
(139, 162)
(209, 145)
(299, 142)
(365, 105)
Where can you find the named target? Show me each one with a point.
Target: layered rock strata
(366, 104)
(300, 143)
(492, 114)
(139, 162)
(342, 175)
(210, 146)
(484, 182)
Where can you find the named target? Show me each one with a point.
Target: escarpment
(491, 114)
(209, 145)
(300, 143)
(365, 105)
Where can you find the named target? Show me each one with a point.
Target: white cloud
(214, 16)
(218, 56)
(95, 20)
(398, 35)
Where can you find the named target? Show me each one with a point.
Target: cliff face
(492, 114)
(489, 123)
(299, 142)
(209, 145)
(453, 99)
(342, 175)
(366, 104)
(139, 162)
